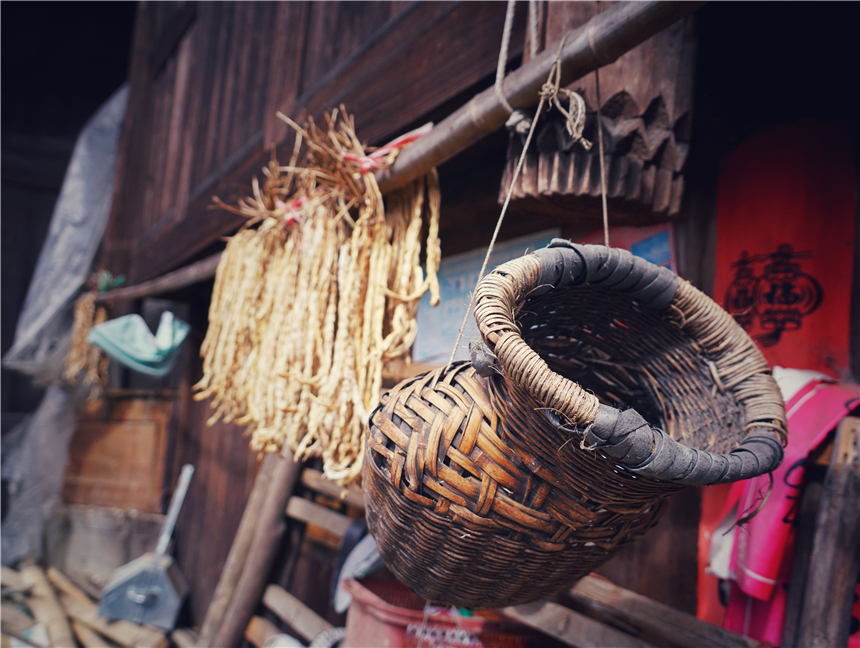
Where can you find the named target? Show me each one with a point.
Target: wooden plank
(125, 633)
(806, 517)
(307, 623)
(825, 614)
(238, 552)
(387, 84)
(649, 620)
(171, 34)
(185, 638)
(314, 479)
(570, 627)
(13, 619)
(287, 57)
(11, 578)
(88, 637)
(65, 586)
(46, 608)
(310, 512)
(352, 23)
(125, 209)
(7, 636)
(216, 498)
(260, 630)
(669, 549)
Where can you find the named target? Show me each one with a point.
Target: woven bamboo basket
(605, 384)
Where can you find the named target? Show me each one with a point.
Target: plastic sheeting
(35, 471)
(35, 466)
(77, 225)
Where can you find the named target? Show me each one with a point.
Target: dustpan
(150, 589)
(608, 384)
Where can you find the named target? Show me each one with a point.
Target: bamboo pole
(186, 276)
(598, 42)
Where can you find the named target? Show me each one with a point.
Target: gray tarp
(79, 220)
(35, 471)
(35, 456)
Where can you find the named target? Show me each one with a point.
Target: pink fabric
(760, 544)
(764, 547)
(762, 620)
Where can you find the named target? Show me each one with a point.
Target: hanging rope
(575, 113)
(602, 161)
(549, 92)
(575, 123)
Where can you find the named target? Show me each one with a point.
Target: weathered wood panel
(201, 125)
(117, 457)
(224, 475)
(337, 29)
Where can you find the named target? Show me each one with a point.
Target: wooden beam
(571, 628)
(649, 620)
(825, 613)
(304, 510)
(314, 480)
(260, 630)
(293, 612)
(806, 517)
(187, 276)
(65, 586)
(598, 42)
(270, 528)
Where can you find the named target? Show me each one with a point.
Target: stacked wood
(68, 615)
(243, 579)
(645, 104)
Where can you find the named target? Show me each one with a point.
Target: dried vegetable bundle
(313, 296)
(84, 362)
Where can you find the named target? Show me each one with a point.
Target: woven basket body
(612, 384)
(462, 520)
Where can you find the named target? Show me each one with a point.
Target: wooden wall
(207, 79)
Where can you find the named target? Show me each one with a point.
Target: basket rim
(625, 435)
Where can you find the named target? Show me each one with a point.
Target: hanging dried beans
(310, 304)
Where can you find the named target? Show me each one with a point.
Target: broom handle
(172, 513)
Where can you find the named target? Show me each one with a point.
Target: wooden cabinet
(117, 455)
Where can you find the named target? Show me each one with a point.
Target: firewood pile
(45, 608)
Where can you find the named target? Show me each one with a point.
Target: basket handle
(623, 435)
(563, 263)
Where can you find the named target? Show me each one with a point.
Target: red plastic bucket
(387, 613)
